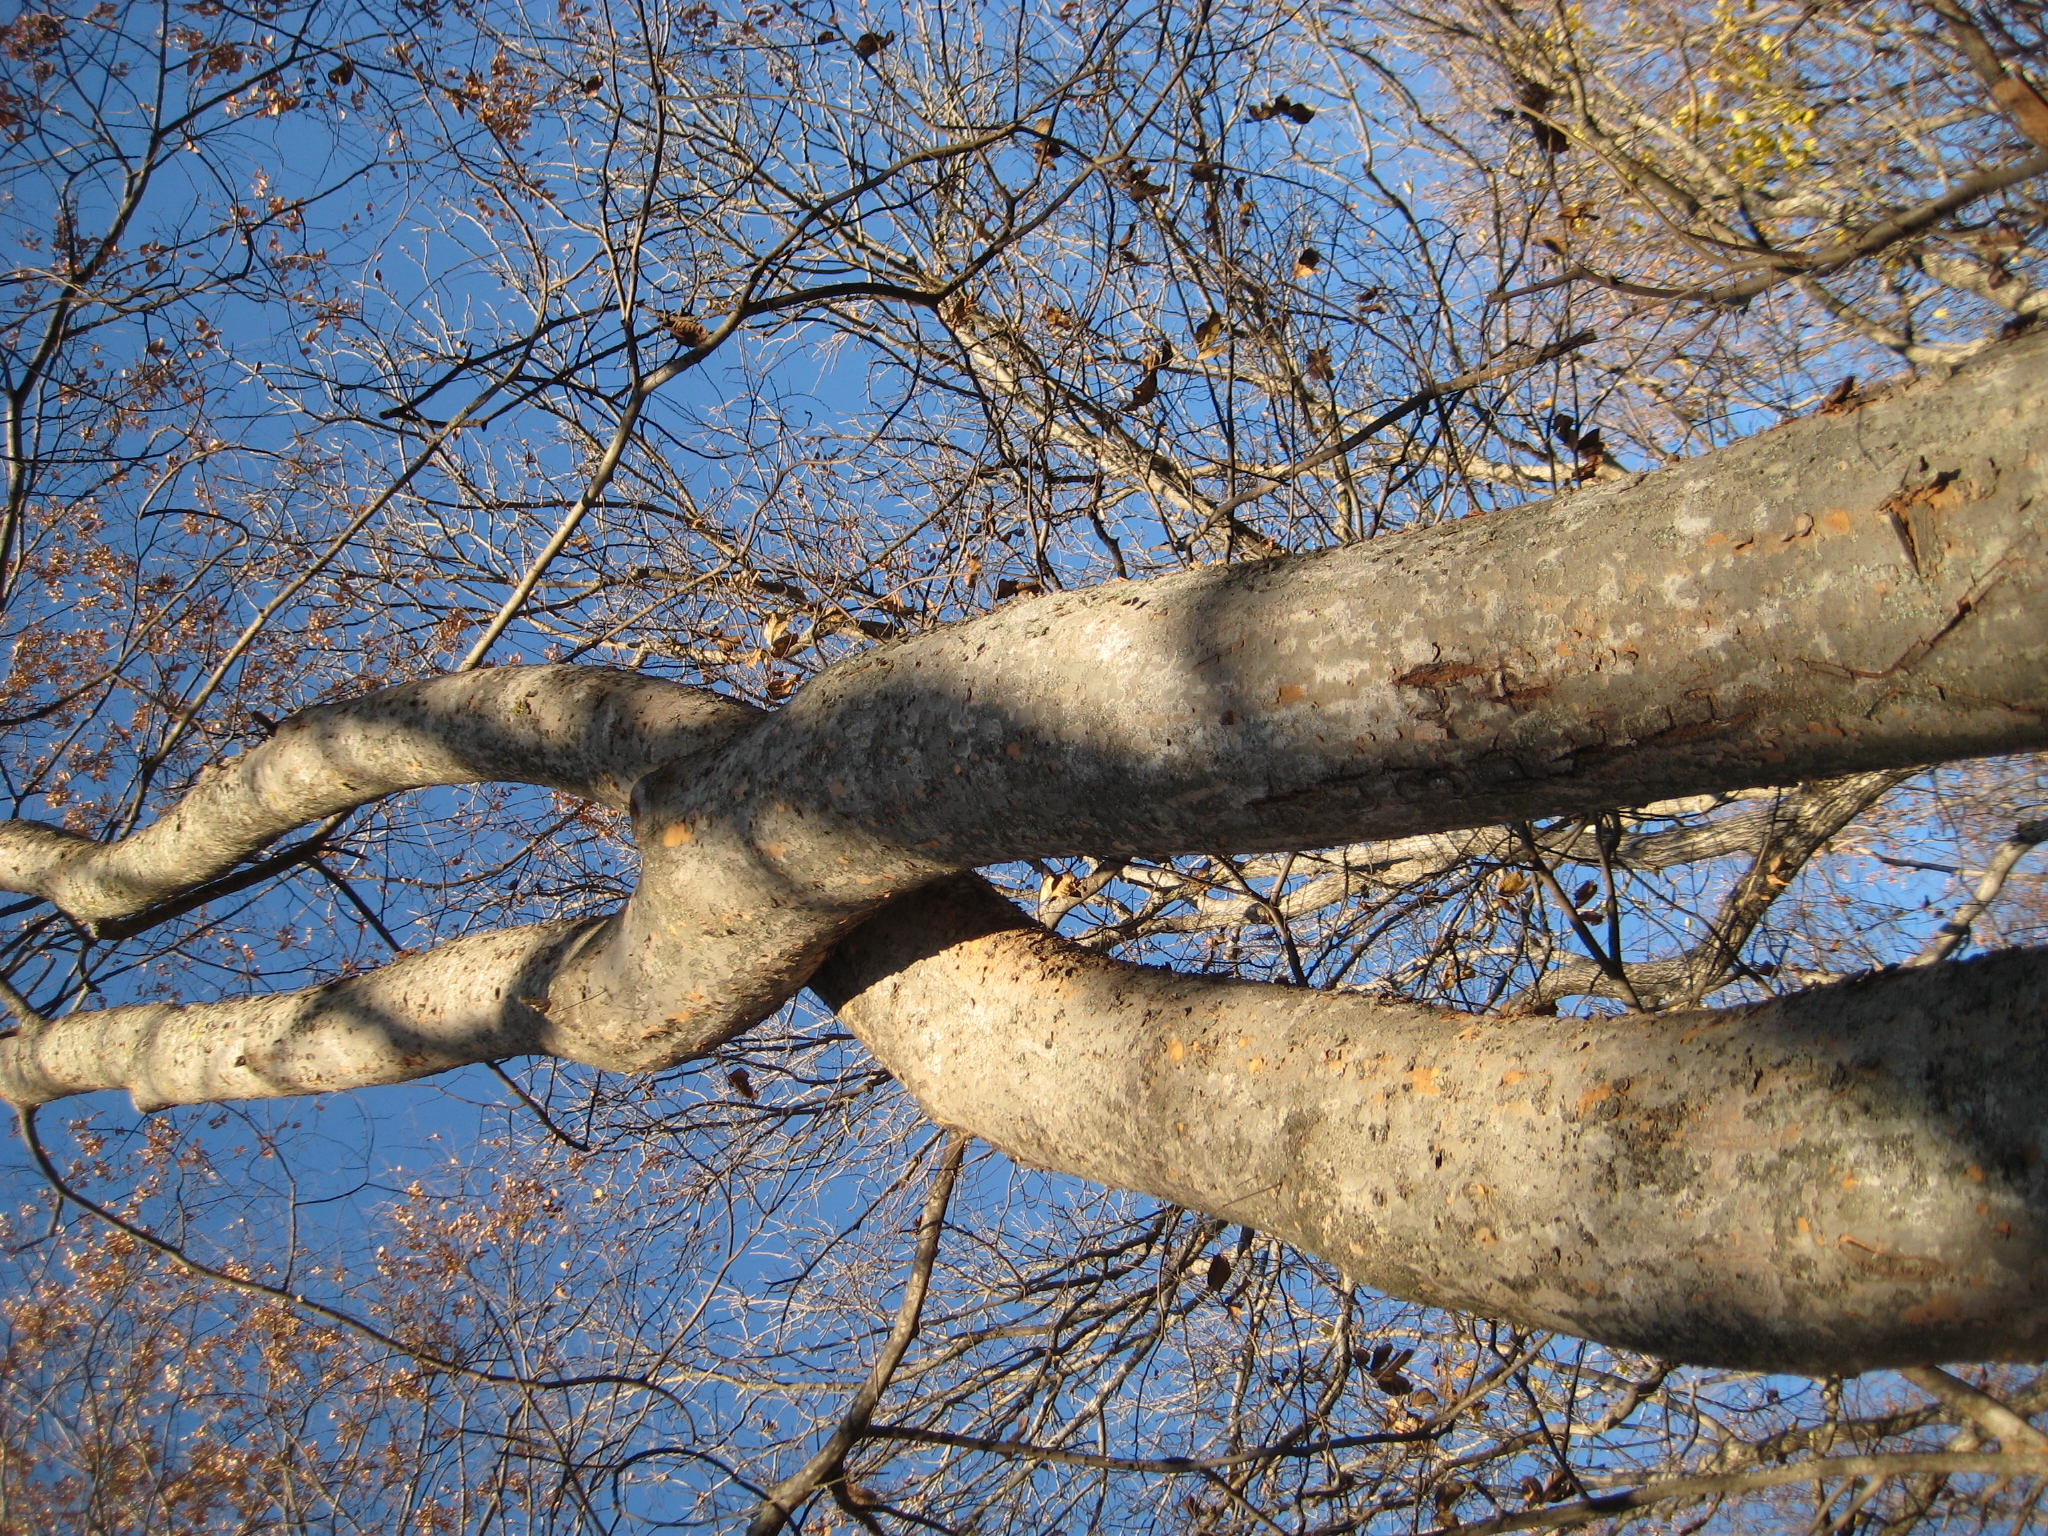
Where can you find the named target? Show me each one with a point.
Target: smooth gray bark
(1839, 595)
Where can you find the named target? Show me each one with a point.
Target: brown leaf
(1306, 263)
(1205, 171)
(1533, 94)
(592, 84)
(1319, 367)
(1209, 337)
(1280, 106)
(868, 44)
(1219, 1272)
(686, 329)
(742, 1084)
(1146, 392)
(1137, 181)
(1008, 588)
(1512, 882)
(342, 73)
(1585, 893)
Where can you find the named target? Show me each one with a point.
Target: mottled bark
(587, 731)
(480, 998)
(1834, 1181)
(1842, 594)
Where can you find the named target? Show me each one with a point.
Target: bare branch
(1954, 933)
(828, 1464)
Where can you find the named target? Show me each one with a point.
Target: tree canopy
(1471, 574)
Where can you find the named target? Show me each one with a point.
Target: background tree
(346, 351)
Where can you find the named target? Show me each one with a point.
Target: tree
(1068, 343)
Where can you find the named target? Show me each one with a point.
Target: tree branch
(828, 1463)
(1499, 1166)
(1954, 933)
(587, 731)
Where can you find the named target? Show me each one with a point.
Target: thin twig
(1275, 479)
(335, 1318)
(829, 1463)
(1610, 964)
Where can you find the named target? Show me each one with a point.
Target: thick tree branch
(587, 731)
(1822, 1183)
(1847, 593)
(477, 999)
(1691, 1489)
(1850, 593)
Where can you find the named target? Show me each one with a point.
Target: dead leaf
(342, 73)
(1209, 337)
(742, 1084)
(868, 44)
(1219, 1272)
(1146, 392)
(1306, 263)
(1319, 367)
(1280, 106)
(1512, 882)
(1204, 172)
(1137, 181)
(686, 329)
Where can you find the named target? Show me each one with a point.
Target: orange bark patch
(1937, 1309)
